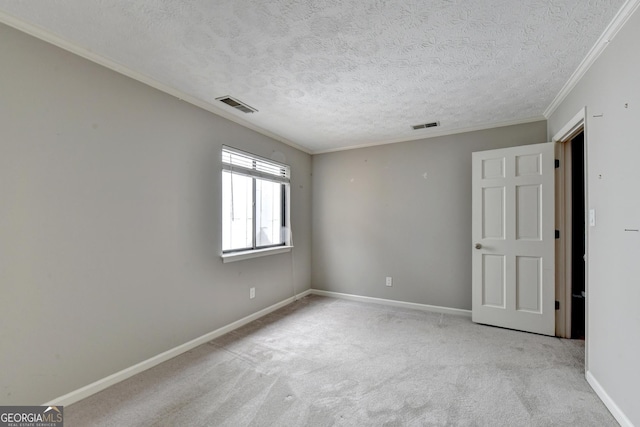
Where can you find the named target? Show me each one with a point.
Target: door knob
(478, 246)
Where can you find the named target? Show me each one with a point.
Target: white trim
(607, 36)
(608, 401)
(432, 133)
(102, 384)
(393, 303)
(239, 256)
(571, 127)
(86, 53)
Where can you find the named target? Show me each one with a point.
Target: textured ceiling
(327, 74)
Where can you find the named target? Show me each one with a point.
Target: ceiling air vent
(231, 102)
(426, 125)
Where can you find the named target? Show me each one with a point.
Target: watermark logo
(31, 416)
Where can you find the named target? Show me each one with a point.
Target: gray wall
(376, 214)
(110, 223)
(613, 177)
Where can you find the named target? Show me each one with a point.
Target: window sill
(239, 256)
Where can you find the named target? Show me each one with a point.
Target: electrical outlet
(252, 293)
(389, 281)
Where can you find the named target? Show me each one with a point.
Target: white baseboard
(124, 374)
(100, 385)
(608, 401)
(394, 303)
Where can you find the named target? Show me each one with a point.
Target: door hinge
(557, 305)
(557, 234)
(557, 163)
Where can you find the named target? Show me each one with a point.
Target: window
(254, 203)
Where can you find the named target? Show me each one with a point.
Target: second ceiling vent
(238, 105)
(426, 125)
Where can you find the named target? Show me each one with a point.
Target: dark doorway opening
(578, 238)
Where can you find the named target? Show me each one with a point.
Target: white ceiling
(330, 74)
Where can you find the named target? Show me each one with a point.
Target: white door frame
(563, 313)
(574, 126)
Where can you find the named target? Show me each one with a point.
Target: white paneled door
(513, 238)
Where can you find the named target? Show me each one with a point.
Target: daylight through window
(254, 202)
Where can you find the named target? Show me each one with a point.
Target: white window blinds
(240, 162)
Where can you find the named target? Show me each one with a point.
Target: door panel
(513, 236)
(528, 165)
(528, 283)
(493, 211)
(493, 281)
(528, 212)
(493, 168)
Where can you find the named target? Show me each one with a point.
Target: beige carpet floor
(324, 362)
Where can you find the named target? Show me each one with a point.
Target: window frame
(235, 161)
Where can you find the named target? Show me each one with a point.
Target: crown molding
(435, 134)
(610, 32)
(601, 44)
(86, 53)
